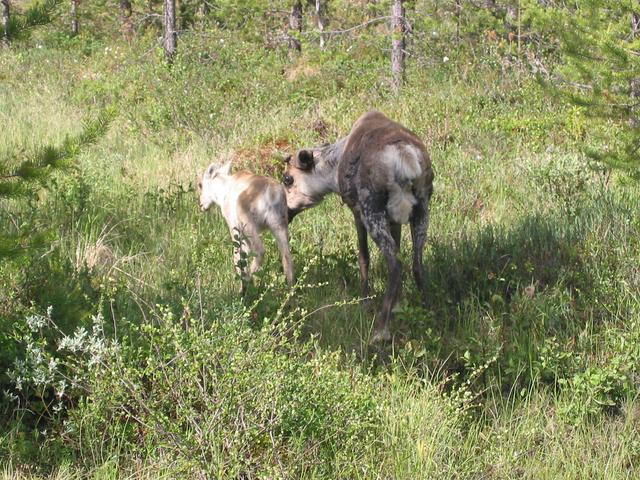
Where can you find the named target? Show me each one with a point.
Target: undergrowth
(125, 350)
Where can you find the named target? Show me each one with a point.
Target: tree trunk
(634, 87)
(458, 20)
(125, 14)
(125, 8)
(397, 44)
(74, 17)
(320, 19)
(295, 27)
(510, 21)
(372, 7)
(5, 21)
(170, 34)
(203, 11)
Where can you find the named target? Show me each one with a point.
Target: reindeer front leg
(241, 246)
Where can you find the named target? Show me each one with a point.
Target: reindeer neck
(327, 165)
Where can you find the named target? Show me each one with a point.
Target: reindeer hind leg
(363, 254)
(377, 223)
(281, 234)
(419, 225)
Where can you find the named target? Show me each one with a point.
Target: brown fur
(383, 173)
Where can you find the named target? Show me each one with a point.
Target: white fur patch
(400, 205)
(404, 165)
(403, 160)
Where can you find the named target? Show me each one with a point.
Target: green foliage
(221, 398)
(37, 14)
(524, 362)
(22, 178)
(600, 70)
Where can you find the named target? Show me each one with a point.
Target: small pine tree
(19, 180)
(19, 25)
(601, 52)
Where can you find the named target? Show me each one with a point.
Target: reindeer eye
(287, 180)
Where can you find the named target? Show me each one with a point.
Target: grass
(524, 364)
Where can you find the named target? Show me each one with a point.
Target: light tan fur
(250, 204)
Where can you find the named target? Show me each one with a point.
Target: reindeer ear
(225, 169)
(211, 170)
(305, 160)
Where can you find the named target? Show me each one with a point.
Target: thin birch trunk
(458, 20)
(74, 17)
(170, 34)
(295, 28)
(5, 20)
(125, 17)
(397, 44)
(321, 20)
(634, 87)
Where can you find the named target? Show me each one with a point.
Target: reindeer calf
(250, 204)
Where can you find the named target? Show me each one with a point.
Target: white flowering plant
(54, 368)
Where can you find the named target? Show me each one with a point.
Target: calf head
(304, 184)
(213, 185)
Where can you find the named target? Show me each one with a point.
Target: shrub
(215, 398)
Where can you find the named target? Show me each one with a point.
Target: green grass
(524, 364)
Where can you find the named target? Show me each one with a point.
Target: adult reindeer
(383, 173)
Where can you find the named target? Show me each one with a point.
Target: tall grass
(523, 364)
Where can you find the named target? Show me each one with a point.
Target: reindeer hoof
(381, 335)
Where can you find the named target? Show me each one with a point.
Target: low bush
(210, 398)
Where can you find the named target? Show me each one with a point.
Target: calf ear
(211, 170)
(225, 169)
(305, 160)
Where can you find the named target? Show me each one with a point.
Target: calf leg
(419, 225)
(257, 247)
(281, 235)
(249, 241)
(238, 239)
(377, 224)
(363, 254)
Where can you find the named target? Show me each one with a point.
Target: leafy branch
(20, 181)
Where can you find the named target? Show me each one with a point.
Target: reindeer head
(305, 183)
(213, 185)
